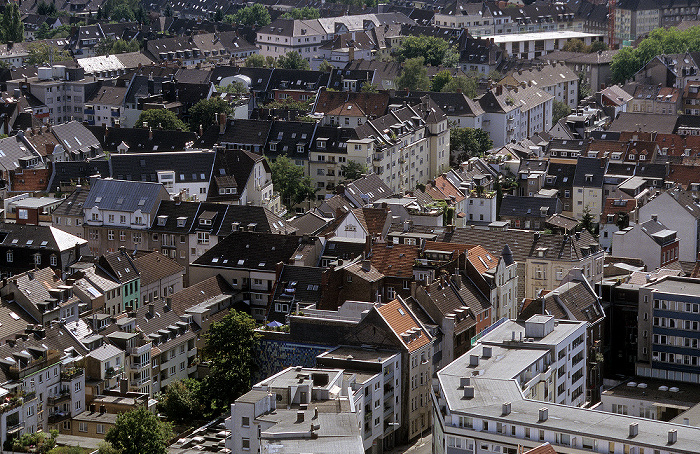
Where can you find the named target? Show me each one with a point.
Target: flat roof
(686, 286)
(674, 394)
(541, 36)
(359, 354)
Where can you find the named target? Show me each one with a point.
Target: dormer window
(205, 222)
(273, 146)
(589, 178)
(321, 144)
(162, 220)
(181, 221)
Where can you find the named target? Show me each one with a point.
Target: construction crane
(611, 24)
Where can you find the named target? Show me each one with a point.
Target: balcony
(89, 111)
(112, 372)
(191, 352)
(58, 417)
(115, 113)
(70, 374)
(63, 395)
(15, 428)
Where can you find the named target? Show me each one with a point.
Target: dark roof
(308, 223)
(296, 284)
(288, 136)
(232, 168)
(72, 205)
(37, 237)
(366, 190)
(589, 172)
(119, 266)
(199, 293)
(238, 132)
(628, 121)
(75, 137)
(524, 206)
(75, 172)
(250, 250)
(142, 140)
(560, 175)
(155, 266)
(177, 216)
(189, 166)
(119, 195)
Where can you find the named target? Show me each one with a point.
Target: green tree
(123, 13)
(104, 47)
(353, 170)
(306, 12)
(623, 220)
(586, 222)
(624, 65)
(574, 45)
(253, 16)
(235, 87)
(43, 31)
(181, 401)
(67, 450)
(414, 75)
(433, 50)
(255, 61)
(440, 80)
(230, 345)
(584, 87)
(465, 84)
(168, 10)
(289, 180)
(289, 104)
(468, 142)
(559, 111)
(106, 448)
(292, 60)
(139, 432)
(39, 442)
(12, 25)
(46, 9)
(121, 46)
(368, 87)
(160, 119)
(40, 53)
(325, 66)
(205, 110)
(597, 46)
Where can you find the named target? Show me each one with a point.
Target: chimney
(103, 409)
(351, 51)
(499, 90)
(124, 386)
(92, 408)
(468, 392)
(486, 352)
(300, 416)
(474, 360)
(150, 309)
(655, 217)
(464, 381)
(634, 429)
(150, 133)
(222, 122)
(457, 279)
(544, 414)
(672, 436)
(366, 265)
(506, 408)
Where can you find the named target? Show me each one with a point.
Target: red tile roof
(482, 259)
(405, 324)
(395, 260)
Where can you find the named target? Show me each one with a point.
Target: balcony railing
(58, 417)
(70, 374)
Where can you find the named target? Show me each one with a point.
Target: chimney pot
(544, 414)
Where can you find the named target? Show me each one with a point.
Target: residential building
(317, 397)
(160, 276)
(588, 187)
(635, 18)
(558, 80)
(656, 99)
(120, 267)
(529, 45)
(666, 349)
(117, 213)
(529, 212)
(651, 241)
(678, 211)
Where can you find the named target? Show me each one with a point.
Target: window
(245, 421)
(37, 259)
(202, 237)
(82, 427)
(10, 256)
(100, 429)
(245, 443)
(54, 260)
(110, 234)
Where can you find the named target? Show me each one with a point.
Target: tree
(292, 60)
(623, 220)
(39, 442)
(597, 46)
(123, 13)
(440, 80)
(587, 221)
(288, 178)
(139, 432)
(46, 9)
(584, 87)
(353, 170)
(559, 111)
(574, 45)
(40, 53)
(121, 46)
(230, 345)
(368, 87)
(306, 12)
(468, 142)
(104, 47)
(67, 450)
(160, 119)
(235, 87)
(181, 401)
(255, 61)
(466, 85)
(252, 16)
(325, 66)
(413, 76)
(204, 112)
(433, 50)
(106, 448)
(12, 25)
